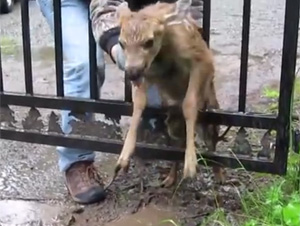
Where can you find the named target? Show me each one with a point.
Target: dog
(163, 47)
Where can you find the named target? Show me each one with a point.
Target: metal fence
(114, 109)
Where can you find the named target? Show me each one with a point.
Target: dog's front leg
(139, 103)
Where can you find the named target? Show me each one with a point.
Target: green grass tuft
(270, 92)
(8, 45)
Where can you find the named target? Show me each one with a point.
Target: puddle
(32, 173)
(21, 212)
(149, 216)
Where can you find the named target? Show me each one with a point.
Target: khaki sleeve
(196, 10)
(103, 16)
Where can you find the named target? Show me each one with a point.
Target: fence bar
(144, 151)
(244, 55)
(94, 93)
(1, 74)
(26, 47)
(206, 20)
(108, 106)
(289, 56)
(127, 87)
(58, 48)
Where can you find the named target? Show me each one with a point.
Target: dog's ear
(180, 12)
(123, 12)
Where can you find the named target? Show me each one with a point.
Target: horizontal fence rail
(142, 150)
(108, 107)
(114, 109)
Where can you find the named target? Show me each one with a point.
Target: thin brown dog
(163, 47)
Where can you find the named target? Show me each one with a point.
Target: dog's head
(142, 34)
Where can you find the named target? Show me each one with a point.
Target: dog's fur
(163, 46)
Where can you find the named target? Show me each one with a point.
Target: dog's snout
(134, 73)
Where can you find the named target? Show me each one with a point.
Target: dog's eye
(148, 44)
(121, 44)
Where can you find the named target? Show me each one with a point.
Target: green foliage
(279, 203)
(297, 88)
(291, 214)
(270, 93)
(8, 45)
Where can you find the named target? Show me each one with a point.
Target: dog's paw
(169, 181)
(190, 166)
(122, 164)
(219, 174)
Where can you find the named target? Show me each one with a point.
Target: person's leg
(76, 84)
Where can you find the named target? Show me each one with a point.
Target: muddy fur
(163, 47)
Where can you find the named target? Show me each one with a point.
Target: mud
(31, 188)
(21, 212)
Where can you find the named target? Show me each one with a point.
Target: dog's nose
(133, 73)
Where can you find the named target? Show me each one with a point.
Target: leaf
(169, 221)
(277, 212)
(291, 214)
(251, 222)
(274, 195)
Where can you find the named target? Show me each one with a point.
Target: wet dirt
(31, 188)
(129, 200)
(149, 216)
(22, 212)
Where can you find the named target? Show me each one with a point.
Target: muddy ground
(32, 190)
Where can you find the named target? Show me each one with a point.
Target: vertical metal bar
(58, 48)
(26, 47)
(93, 65)
(244, 55)
(206, 20)
(127, 87)
(288, 65)
(1, 74)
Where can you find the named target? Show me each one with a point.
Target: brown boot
(83, 183)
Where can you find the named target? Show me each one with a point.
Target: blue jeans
(76, 67)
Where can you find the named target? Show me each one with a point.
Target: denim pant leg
(76, 66)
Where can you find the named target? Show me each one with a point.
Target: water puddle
(149, 216)
(21, 212)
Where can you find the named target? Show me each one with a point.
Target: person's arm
(105, 23)
(196, 10)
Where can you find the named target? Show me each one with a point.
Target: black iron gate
(114, 109)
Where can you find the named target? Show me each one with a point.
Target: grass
(8, 45)
(278, 203)
(274, 204)
(270, 92)
(273, 94)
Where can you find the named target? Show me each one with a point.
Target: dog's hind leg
(171, 179)
(211, 132)
(175, 126)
